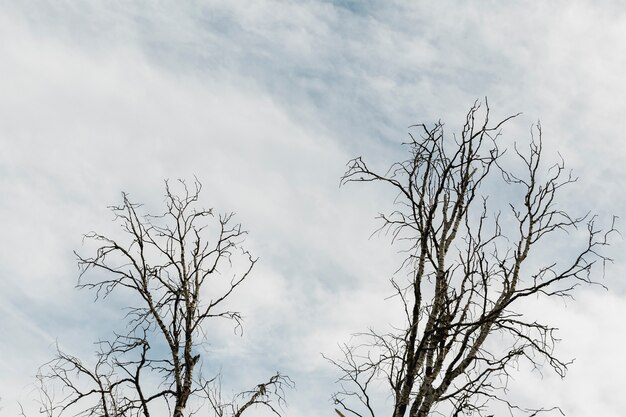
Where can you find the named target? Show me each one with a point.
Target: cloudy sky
(265, 102)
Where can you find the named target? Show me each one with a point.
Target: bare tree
(181, 269)
(469, 269)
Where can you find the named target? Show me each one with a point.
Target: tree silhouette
(470, 264)
(181, 268)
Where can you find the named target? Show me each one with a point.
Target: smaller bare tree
(182, 269)
(472, 264)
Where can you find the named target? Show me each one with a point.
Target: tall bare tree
(470, 268)
(181, 269)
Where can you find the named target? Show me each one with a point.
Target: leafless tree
(469, 269)
(181, 269)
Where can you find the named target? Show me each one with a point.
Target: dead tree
(181, 270)
(469, 269)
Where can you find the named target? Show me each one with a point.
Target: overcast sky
(265, 102)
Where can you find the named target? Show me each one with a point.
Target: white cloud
(265, 104)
